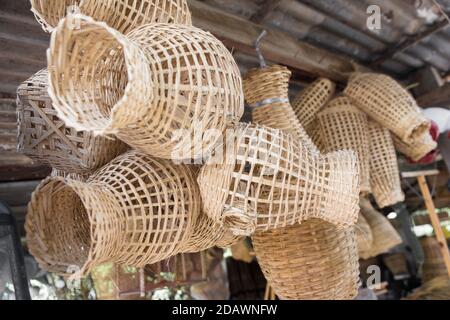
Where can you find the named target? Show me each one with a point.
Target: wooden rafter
(267, 7)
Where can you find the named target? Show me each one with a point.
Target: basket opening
(50, 12)
(420, 130)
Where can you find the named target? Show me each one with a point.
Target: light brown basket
(136, 210)
(269, 180)
(418, 148)
(123, 15)
(167, 90)
(364, 237)
(384, 174)
(313, 260)
(433, 265)
(435, 289)
(344, 127)
(44, 137)
(386, 101)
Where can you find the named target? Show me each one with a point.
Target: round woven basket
(433, 265)
(344, 127)
(364, 237)
(43, 137)
(167, 90)
(418, 148)
(386, 101)
(268, 180)
(313, 260)
(136, 210)
(123, 15)
(384, 173)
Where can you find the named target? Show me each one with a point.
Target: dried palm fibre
(312, 260)
(387, 102)
(345, 127)
(433, 265)
(384, 173)
(43, 136)
(385, 237)
(364, 237)
(123, 15)
(418, 148)
(136, 210)
(167, 90)
(268, 179)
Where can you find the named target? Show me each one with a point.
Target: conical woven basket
(418, 148)
(136, 210)
(344, 127)
(386, 101)
(433, 265)
(167, 90)
(268, 179)
(43, 136)
(313, 260)
(384, 173)
(364, 237)
(123, 15)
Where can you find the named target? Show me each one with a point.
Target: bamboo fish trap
(418, 148)
(364, 237)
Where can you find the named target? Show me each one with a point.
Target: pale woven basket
(167, 90)
(123, 15)
(384, 174)
(313, 260)
(135, 211)
(364, 237)
(43, 137)
(418, 148)
(433, 264)
(386, 101)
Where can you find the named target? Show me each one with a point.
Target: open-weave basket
(136, 210)
(313, 260)
(44, 137)
(416, 149)
(433, 264)
(364, 237)
(384, 174)
(386, 101)
(167, 90)
(268, 179)
(123, 15)
(345, 127)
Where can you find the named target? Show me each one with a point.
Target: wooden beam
(439, 97)
(414, 174)
(266, 8)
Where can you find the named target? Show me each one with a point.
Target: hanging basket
(418, 148)
(433, 265)
(384, 173)
(344, 127)
(44, 137)
(387, 102)
(364, 237)
(268, 179)
(123, 15)
(167, 90)
(136, 210)
(313, 260)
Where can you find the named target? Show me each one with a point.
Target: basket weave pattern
(433, 264)
(418, 148)
(364, 237)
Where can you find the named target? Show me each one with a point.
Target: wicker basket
(433, 265)
(384, 173)
(418, 148)
(364, 237)
(386, 101)
(44, 137)
(436, 289)
(313, 260)
(167, 90)
(269, 179)
(123, 15)
(136, 210)
(344, 127)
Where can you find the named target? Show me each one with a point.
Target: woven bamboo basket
(312, 260)
(268, 180)
(386, 101)
(344, 127)
(435, 289)
(136, 210)
(43, 137)
(384, 173)
(167, 90)
(364, 237)
(123, 15)
(418, 148)
(433, 265)
(385, 237)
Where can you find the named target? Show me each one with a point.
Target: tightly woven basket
(384, 173)
(269, 180)
(43, 137)
(123, 15)
(136, 210)
(433, 265)
(313, 260)
(435, 289)
(364, 237)
(167, 90)
(386, 101)
(418, 148)
(344, 127)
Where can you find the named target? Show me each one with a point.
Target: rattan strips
(433, 264)
(167, 90)
(364, 237)
(418, 148)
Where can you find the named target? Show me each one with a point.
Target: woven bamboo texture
(384, 174)
(364, 237)
(135, 211)
(43, 137)
(418, 148)
(123, 15)
(435, 289)
(433, 265)
(312, 260)
(167, 90)
(386, 101)
(344, 127)
(268, 180)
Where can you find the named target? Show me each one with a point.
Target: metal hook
(262, 62)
